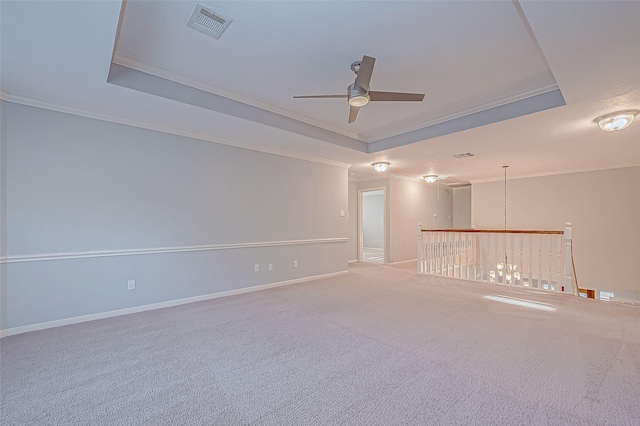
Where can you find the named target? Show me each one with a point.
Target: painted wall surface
(461, 207)
(3, 213)
(414, 202)
(382, 183)
(373, 219)
(353, 221)
(409, 202)
(78, 185)
(603, 206)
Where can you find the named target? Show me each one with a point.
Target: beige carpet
(380, 346)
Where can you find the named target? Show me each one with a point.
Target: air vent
(463, 155)
(208, 22)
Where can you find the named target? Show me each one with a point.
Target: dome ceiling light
(616, 120)
(381, 166)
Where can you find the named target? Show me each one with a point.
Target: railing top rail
(496, 231)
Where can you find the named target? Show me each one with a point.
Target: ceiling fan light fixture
(380, 166)
(430, 178)
(359, 100)
(616, 120)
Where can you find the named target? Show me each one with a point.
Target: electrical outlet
(295, 263)
(271, 266)
(256, 268)
(131, 285)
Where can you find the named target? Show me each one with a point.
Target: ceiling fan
(358, 93)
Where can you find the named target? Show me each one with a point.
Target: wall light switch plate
(131, 285)
(295, 263)
(271, 266)
(341, 213)
(256, 268)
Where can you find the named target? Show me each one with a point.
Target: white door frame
(384, 221)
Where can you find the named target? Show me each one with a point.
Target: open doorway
(371, 225)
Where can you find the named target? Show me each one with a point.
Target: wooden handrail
(496, 231)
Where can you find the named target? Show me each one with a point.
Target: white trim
(412, 179)
(157, 250)
(384, 221)
(353, 261)
(634, 163)
(160, 305)
(52, 106)
(483, 107)
(402, 261)
(147, 68)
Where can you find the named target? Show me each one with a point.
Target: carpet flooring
(379, 346)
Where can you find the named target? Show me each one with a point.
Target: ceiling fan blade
(396, 96)
(364, 73)
(321, 96)
(353, 113)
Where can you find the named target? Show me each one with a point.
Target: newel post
(568, 282)
(420, 251)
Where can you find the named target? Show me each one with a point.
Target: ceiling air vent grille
(463, 155)
(208, 22)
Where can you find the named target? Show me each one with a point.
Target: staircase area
(528, 258)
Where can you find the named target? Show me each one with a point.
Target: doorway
(371, 225)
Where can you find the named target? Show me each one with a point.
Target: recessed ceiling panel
(465, 56)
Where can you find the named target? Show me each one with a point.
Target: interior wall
(352, 245)
(603, 206)
(92, 204)
(3, 213)
(382, 183)
(414, 202)
(461, 207)
(373, 219)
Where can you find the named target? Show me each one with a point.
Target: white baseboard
(160, 305)
(353, 261)
(402, 261)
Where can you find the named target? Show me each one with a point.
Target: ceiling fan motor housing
(357, 96)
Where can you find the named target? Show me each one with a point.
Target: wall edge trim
(159, 250)
(143, 308)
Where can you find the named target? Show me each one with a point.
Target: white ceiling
(469, 58)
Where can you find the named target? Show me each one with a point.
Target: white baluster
(467, 244)
(480, 247)
(530, 260)
(513, 260)
(521, 259)
(569, 279)
(460, 249)
(496, 257)
(540, 261)
(550, 275)
(421, 251)
(559, 286)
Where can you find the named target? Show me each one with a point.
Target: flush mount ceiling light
(616, 120)
(380, 166)
(430, 178)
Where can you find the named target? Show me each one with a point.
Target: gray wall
(353, 221)
(409, 202)
(373, 219)
(462, 207)
(3, 214)
(414, 202)
(80, 186)
(604, 207)
(384, 184)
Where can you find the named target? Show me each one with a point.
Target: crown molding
(412, 179)
(555, 173)
(130, 62)
(488, 105)
(41, 257)
(53, 106)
